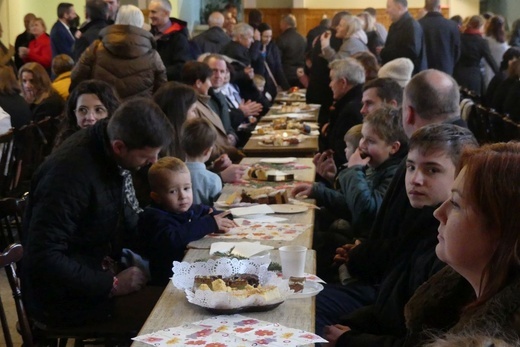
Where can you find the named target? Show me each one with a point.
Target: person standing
(113, 8)
(215, 38)
(171, 35)
(292, 47)
(81, 212)
(39, 49)
(62, 39)
(405, 37)
(441, 38)
(23, 39)
(96, 12)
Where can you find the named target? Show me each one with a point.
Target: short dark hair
(337, 18)
(96, 9)
(63, 8)
(140, 123)
(194, 71)
(432, 5)
(371, 11)
(197, 136)
(434, 95)
(510, 54)
(255, 18)
(449, 138)
(404, 3)
(387, 89)
(62, 63)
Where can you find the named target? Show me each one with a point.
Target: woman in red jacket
(39, 50)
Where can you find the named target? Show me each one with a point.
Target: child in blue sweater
(172, 221)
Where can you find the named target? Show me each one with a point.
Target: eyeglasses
(99, 112)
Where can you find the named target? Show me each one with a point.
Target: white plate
(278, 160)
(287, 208)
(309, 289)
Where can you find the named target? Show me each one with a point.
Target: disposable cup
(293, 260)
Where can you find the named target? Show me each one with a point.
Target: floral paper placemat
(252, 230)
(230, 331)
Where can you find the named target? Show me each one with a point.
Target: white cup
(293, 260)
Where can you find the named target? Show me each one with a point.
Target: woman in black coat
(274, 76)
(473, 48)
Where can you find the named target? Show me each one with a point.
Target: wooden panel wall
(308, 18)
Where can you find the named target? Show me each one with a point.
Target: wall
(465, 8)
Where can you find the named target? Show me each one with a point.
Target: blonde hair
(353, 135)
(160, 167)
(369, 22)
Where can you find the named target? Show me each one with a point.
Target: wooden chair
(34, 334)
(11, 214)
(7, 163)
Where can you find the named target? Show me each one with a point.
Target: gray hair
(349, 69)
(242, 29)
(165, 4)
(130, 15)
(354, 24)
(216, 19)
(290, 20)
(434, 95)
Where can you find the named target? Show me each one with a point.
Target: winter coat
(292, 47)
(89, 33)
(442, 41)
(497, 50)
(405, 40)
(126, 58)
(274, 61)
(212, 40)
(354, 44)
(438, 306)
(40, 51)
(75, 218)
(165, 236)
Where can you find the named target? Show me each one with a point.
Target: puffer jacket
(126, 58)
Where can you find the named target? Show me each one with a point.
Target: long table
(307, 148)
(173, 309)
(305, 174)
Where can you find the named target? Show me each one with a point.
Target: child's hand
(356, 159)
(224, 224)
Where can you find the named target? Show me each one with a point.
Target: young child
(172, 221)
(259, 82)
(369, 171)
(406, 261)
(198, 137)
(352, 138)
(62, 66)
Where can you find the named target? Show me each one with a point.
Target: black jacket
(292, 48)
(212, 40)
(442, 40)
(405, 40)
(17, 108)
(75, 217)
(174, 48)
(344, 116)
(89, 33)
(313, 34)
(274, 61)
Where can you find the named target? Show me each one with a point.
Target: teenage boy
(198, 138)
(172, 221)
(409, 261)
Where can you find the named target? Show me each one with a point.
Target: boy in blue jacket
(172, 221)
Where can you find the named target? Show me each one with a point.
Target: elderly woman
(39, 50)
(354, 39)
(89, 102)
(37, 91)
(480, 243)
(124, 57)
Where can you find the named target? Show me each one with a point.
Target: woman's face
(341, 29)
(37, 28)
(464, 241)
(89, 109)
(28, 85)
(267, 36)
(191, 112)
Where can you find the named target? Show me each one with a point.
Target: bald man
(215, 38)
(23, 39)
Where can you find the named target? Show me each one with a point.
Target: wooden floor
(8, 302)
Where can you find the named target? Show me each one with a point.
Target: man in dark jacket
(172, 38)
(347, 77)
(430, 97)
(62, 39)
(215, 38)
(97, 12)
(81, 212)
(405, 36)
(23, 39)
(292, 47)
(441, 38)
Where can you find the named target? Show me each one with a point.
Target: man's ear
(409, 116)
(118, 146)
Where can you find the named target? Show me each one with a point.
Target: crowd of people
(417, 237)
